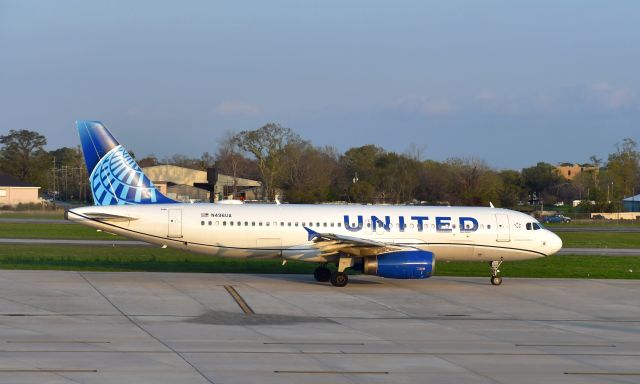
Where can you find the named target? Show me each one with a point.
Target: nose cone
(554, 244)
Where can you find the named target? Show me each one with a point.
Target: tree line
(301, 172)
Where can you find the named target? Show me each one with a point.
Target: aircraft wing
(354, 246)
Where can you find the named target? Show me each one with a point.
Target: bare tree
(267, 145)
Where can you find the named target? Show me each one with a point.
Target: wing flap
(330, 243)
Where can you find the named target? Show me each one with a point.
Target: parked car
(556, 219)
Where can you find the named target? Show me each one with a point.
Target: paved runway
(600, 251)
(91, 327)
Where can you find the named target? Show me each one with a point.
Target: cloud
(236, 107)
(609, 96)
(434, 108)
(431, 107)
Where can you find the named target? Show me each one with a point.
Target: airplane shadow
(309, 280)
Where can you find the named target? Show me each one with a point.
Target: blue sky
(511, 82)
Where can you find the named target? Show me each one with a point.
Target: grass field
(156, 259)
(168, 260)
(74, 231)
(53, 231)
(599, 239)
(50, 215)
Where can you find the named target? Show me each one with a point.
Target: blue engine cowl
(400, 265)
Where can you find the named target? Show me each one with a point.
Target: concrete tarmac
(600, 251)
(94, 327)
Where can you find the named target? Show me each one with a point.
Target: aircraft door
(175, 223)
(502, 226)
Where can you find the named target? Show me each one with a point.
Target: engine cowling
(400, 265)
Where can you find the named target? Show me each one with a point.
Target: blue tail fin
(114, 176)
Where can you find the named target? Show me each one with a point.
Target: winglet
(312, 234)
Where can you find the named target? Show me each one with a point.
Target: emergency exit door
(175, 223)
(502, 226)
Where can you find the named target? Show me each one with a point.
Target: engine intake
(400, 265)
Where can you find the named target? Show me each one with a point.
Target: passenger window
(210, 223)
(202, 222)
(282, 223)
(289, 224)
(231, 223)
(317, 224)
(239, 223)
(332, 224)
(488, 226)
(324, 224)
(246, 223)
(339, 224)
(260, 224)
(224, 223)
(303, 224)
(368, 225)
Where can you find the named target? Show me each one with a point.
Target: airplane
(389, 241)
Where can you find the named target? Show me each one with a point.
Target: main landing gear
(337, 278)
(495, 279)
(322, 274)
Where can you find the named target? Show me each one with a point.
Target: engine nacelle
(400, 265)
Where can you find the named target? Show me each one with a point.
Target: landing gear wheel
(495, 279)
(339, 279)
(322, 274)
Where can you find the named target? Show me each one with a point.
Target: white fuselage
(278, 231)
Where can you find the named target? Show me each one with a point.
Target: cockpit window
(536, 226)
(529, 226)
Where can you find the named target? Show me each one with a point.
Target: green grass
(50, 215)
(64, 257)
(134, 259)
(569, 266)
(168, 260)
(599, 239)
(53, 231)
(594, 223)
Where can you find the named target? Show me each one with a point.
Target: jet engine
(400, 265)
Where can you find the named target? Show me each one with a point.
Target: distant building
(14, 191)
(631, 204)
(186, 184)
(570, 170)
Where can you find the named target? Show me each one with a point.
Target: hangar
(186, 184)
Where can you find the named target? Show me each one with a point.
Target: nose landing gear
(495, 279)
